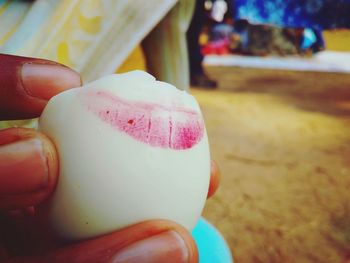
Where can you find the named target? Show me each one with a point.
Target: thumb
(154, 241)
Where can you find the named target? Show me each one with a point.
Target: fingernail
(165, 247)
(23, 167)
(43, 81)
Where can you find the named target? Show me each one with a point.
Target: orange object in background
(135, 60)
(337, 40)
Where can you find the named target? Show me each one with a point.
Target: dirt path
(282, 140)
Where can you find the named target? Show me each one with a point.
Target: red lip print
(154, 124)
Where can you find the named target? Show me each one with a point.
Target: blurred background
(279, 127)
(272, 79)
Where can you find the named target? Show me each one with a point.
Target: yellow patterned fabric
(92, 36)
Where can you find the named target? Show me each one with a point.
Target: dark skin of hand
(29, 173)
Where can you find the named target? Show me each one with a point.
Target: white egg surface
(130, 149)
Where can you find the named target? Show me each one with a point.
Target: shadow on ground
(314, 91)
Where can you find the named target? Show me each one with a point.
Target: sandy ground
(282, 140)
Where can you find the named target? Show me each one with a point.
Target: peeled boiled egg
(130, 149)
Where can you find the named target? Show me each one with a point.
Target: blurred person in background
(201, 16)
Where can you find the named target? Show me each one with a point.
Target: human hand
(29, 171)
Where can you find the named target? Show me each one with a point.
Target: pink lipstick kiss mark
(154, 124)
